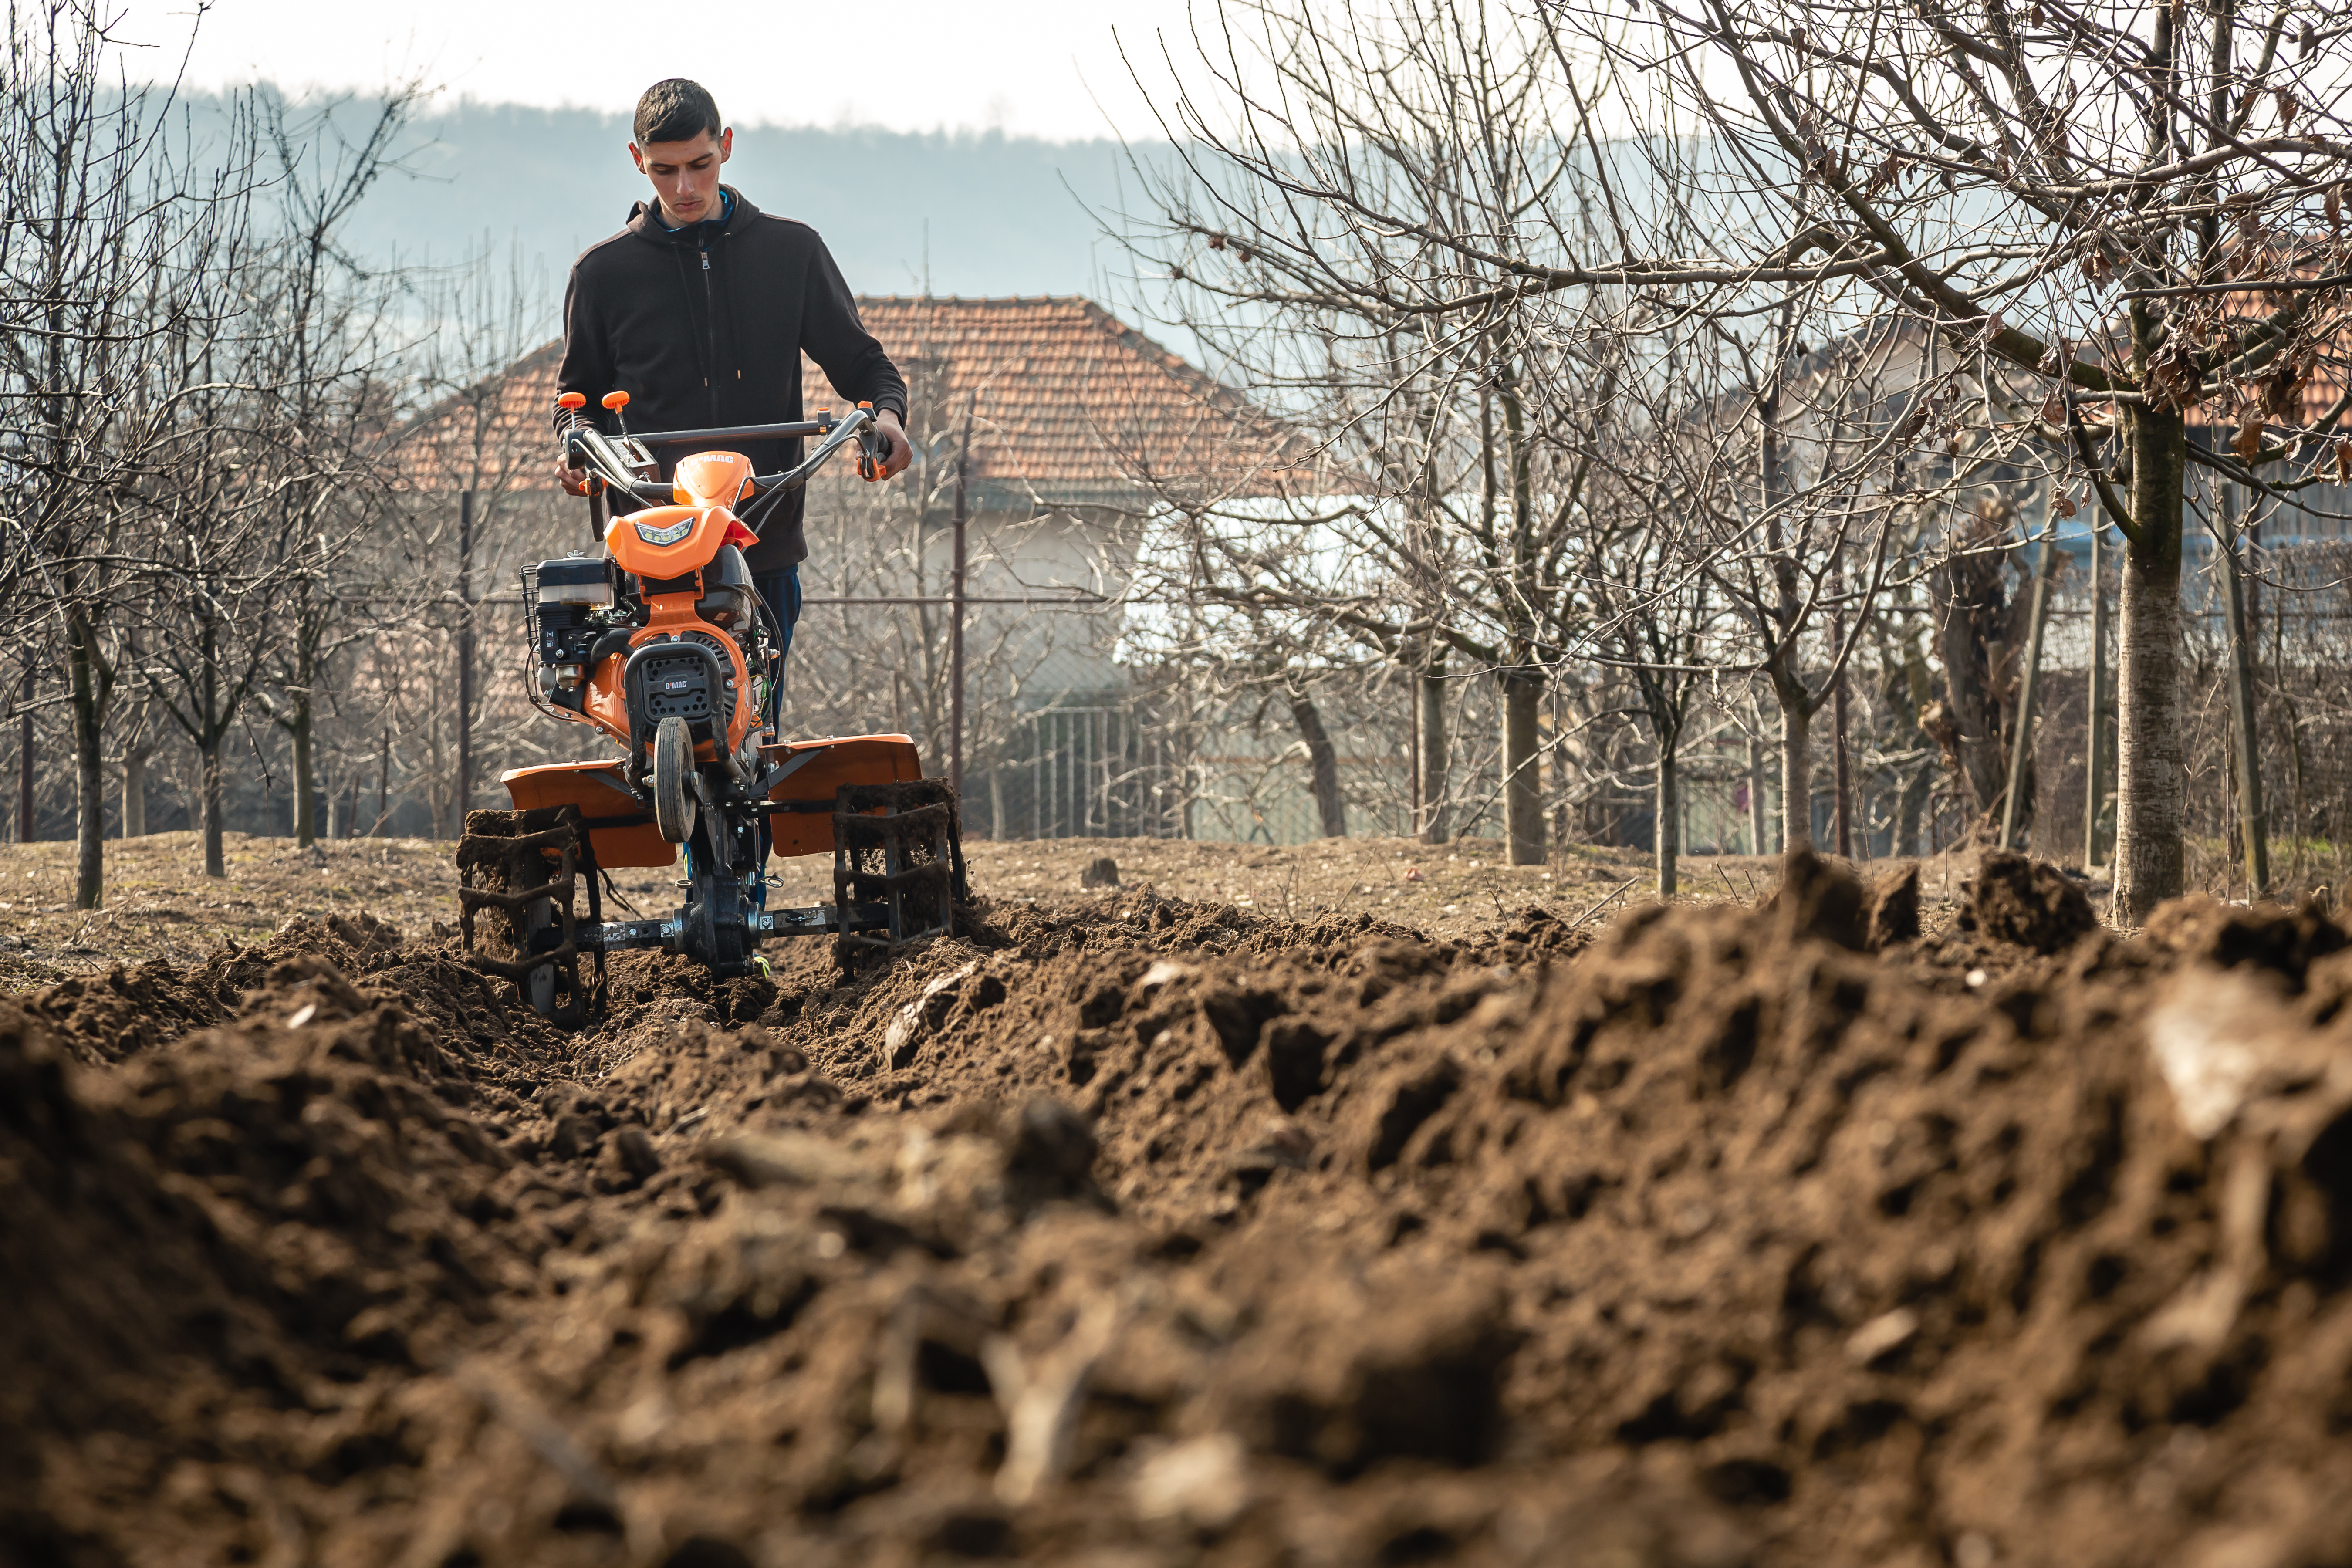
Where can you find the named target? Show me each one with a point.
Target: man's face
(686, 175)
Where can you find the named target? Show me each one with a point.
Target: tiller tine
(526, 865)
(897, 847)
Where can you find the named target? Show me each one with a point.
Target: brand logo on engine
(670, 535)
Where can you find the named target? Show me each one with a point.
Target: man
(699, 310)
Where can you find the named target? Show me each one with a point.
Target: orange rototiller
(659, 641)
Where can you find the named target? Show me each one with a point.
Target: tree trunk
(2151, 779)
(88, 699)
(1971, 615)
(437, 793)
(89, 819)
(1908, 807)
(25, 764)
(208, 749)
(1670, 817)
(306, 820)
(134, 792)
(1430, 697)
(215, 861)
(1756, 843)
(1841, 769)
(1323, 765)
(1796, 777)
(1522, 782)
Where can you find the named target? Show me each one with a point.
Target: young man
(699, 310)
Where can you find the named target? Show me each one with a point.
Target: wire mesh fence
(1073, 726)
(2298, 614)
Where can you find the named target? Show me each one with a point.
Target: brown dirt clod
(1895, 908)
(2027, 902)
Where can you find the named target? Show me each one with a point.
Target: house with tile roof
(1071, 407)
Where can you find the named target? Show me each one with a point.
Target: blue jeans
(781, 590)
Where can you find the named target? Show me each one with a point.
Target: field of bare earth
(1916, 1220)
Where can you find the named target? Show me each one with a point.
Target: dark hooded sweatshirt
(704, 326)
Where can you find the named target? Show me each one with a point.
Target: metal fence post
(2242, 715)
(2094, 698)
(2021, 744)
(465, 655)
(955, 618)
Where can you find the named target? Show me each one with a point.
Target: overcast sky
(1036, 68)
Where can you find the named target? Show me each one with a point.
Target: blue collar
(726, 211)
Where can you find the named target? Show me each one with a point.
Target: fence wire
(1074, 727)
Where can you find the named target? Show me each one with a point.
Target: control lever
(873, 447)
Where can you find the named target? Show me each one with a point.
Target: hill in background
(984, 212)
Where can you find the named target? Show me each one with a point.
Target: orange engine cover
(712, 478)
(670, 541)
(601, 790)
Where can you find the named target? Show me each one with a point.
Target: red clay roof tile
(1066, 401)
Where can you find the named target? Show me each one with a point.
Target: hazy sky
(1035, 67)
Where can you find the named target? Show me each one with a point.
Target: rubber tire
(674, 803)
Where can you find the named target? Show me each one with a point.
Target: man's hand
(901, 451)
(574, 480)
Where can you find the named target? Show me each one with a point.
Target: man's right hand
(574, 480)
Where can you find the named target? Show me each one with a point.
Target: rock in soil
(1146, 1231)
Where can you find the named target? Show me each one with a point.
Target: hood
(646, 227)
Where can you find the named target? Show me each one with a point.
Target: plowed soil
(1132, 1229)
(160, 905)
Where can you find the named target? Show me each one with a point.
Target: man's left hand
(901, 451)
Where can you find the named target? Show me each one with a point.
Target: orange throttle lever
(873, 451)
(615, 401)
(571, 403)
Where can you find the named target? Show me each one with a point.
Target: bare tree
(209, 568)
(1661, 616)
(2136, 205)
(112, 233)
(328, 392)
(1339, 229)
(1404, 228)
(2121, 210)
(471, 510)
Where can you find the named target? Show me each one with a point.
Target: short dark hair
(676, 109)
